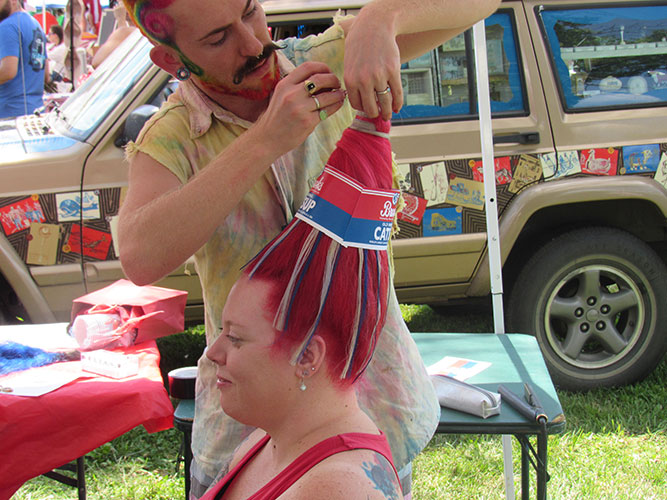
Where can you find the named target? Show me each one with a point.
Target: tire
(596, 299)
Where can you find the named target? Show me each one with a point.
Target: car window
(608, 57)
(440, 85)
(106, 87)
(298, 29)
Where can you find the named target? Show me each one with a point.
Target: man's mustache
(254, 62)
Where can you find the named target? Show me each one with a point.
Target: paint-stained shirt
(186, 134)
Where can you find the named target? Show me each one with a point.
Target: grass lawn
(614, 446)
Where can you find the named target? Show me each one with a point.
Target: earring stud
(182, 73)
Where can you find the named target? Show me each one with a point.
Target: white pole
(491, 205)
(44, 16)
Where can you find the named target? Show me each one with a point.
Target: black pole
(71, 40)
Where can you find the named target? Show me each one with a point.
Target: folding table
(39, 434)
(515, 359)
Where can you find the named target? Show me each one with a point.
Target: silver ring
(317, 103)
(383, 92)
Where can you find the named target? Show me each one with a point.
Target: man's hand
(372, 66)
(294, 112)
(388, 32)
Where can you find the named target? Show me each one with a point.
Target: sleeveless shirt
(303, 463)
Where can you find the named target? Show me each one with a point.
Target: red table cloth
(38, 434)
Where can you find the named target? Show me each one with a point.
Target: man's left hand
(372, 66)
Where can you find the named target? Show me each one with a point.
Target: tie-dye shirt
(185, 135)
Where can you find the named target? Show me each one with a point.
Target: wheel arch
(18, 277)
(539, 213)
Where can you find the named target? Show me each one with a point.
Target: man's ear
(166, 58)
(312, 358)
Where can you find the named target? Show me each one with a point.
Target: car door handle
(518, 138)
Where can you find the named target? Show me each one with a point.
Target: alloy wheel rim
(594, 316)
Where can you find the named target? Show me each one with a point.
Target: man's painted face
(227, 45)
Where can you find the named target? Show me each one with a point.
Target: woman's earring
(302, 387)
(182, 73)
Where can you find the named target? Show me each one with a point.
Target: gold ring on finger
(310, 87)
(317, 103)
(383, 92)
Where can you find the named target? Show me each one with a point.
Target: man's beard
(268, 82)
(5, 11)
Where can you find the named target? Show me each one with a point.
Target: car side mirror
(135, 123)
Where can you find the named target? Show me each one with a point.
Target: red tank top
(303, 463)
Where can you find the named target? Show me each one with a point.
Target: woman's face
(53, 38)
(255, 382)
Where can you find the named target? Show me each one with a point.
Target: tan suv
(579, 95)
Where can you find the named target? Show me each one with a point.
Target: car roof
(285, 6)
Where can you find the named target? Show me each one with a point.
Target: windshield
(106, 87)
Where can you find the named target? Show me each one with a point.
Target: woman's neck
(318, 416)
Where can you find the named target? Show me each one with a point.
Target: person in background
(225, 163)
(122, 30)
(56, 51)
(23, 62)
(93, 15)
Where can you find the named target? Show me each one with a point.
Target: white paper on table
(458, 368)
(36, 381)
(41, 380)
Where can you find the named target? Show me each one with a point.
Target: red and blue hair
(322, 287)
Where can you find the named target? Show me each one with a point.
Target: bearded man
(225, 163)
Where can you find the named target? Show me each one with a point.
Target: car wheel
(596, 299)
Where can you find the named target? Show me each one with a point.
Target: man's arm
(8, 68)
(388, 32)
(157, 227)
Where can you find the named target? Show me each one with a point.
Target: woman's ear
(166, 58)
(312, 358)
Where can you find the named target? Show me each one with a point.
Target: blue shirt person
(22, 60)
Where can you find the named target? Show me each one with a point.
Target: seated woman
(299, 328)
(56, 51)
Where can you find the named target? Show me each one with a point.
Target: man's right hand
(293, 112)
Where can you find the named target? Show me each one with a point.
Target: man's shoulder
(18, 19)
(324, 44)
(170, 119)
(8, 36)
(8, 23)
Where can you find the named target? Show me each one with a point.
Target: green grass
(614, 445)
